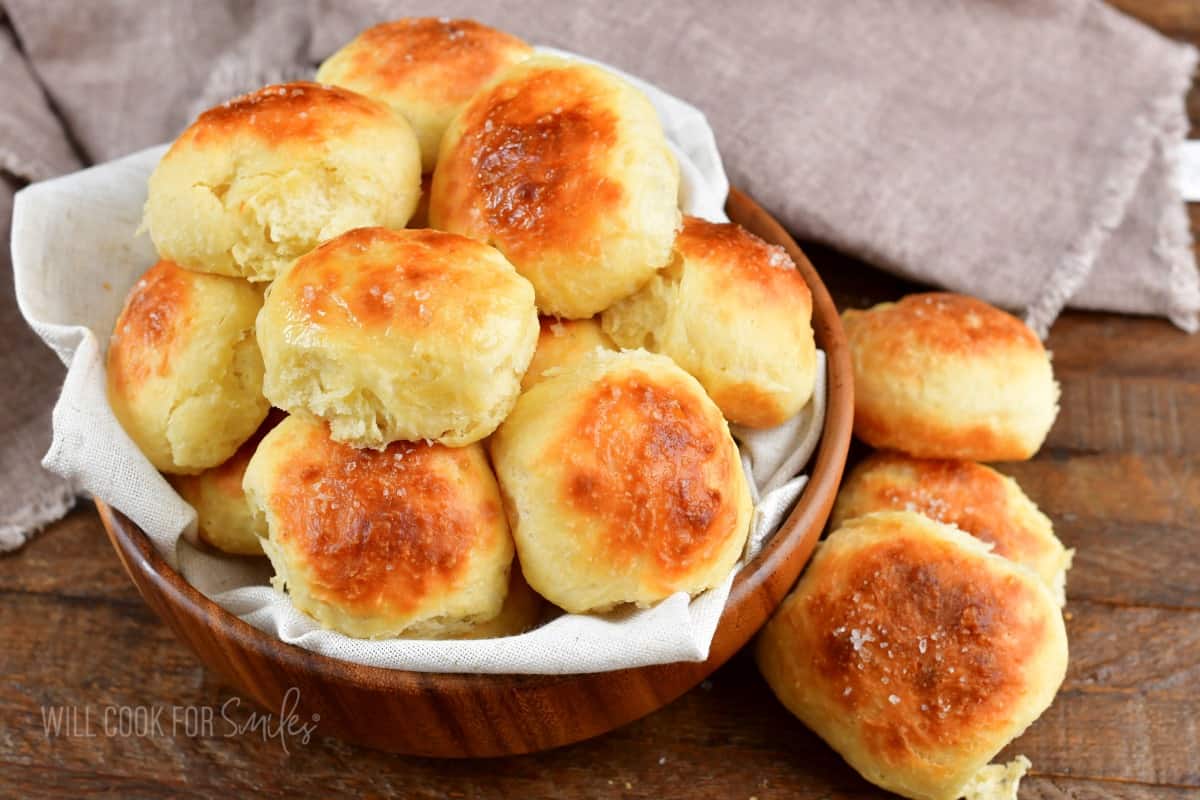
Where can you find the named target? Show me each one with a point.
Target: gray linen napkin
(32, 147)
(1020, 151)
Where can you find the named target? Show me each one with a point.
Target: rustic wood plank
(1066, 788)
(1143, 736)
(1115, 414)
(1179, 19)
(1117, 649)
(1132, 542)
(113, 623)
(1132, 520)
(1106, 344)
(1121, 702)
(35, 783)
(73, 557)
(1143, 490)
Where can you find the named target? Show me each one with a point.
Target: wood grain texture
(1119, 478)
(727, 738)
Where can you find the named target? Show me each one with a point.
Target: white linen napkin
(75, 255)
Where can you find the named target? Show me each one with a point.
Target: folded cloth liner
(1019, 151)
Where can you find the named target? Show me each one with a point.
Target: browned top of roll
(442, 59)
(965, 494)
(151, 327)
(534, 149)
(741, 262)
(655, 472)
(948, 323)
(379, 528)
(923, 642)
(376, 278)
(299, 111)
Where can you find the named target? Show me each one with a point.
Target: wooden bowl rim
(824, 477)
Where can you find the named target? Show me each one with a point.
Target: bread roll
(622, 484)
(946, 376)
(264, 178)
(977, 499)
(425, 68)
(399, 335)
(564, 168)
(224, 518)
(561, 343)
(521, 612)
(184, 371)
(410, 540)
(734, 312)
(914, 652)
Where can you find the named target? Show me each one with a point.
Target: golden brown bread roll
(977, 499)
(424, 67)
(561, 343)
(941, 375)
(410, 540)
(622, 483)
(224, 518)
(565, 169)
(258, 181)
(734, 312)
(184, 371)
(521, 612)
(399, 335)
(914, 652)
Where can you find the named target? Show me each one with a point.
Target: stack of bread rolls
(501, 362)
(433, 335)
(927, 631)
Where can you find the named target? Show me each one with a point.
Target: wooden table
(1120, 476)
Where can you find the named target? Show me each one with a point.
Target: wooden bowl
(490, 715)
